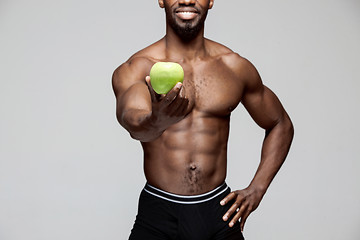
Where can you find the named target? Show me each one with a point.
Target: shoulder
(232, 60)
(137, 63)
(141, 61)
(244, 70)
(136, 68)
(134, 65)
(131, 72)
(241, 66)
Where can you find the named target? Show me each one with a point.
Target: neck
(181, 50)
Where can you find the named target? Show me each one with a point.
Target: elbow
(288, 129)
(284, 127)
(141, 133)
(138, 125)
(292, 130)
(136, 132)
(143, 137)
(130, 123)
(136, 137)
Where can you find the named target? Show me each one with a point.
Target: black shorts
(163, 215)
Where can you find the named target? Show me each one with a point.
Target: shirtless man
(184, 134)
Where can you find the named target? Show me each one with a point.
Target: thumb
(154, 96)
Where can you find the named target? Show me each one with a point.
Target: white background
(69, 171)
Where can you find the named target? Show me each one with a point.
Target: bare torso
(184, 134)
(190, 156)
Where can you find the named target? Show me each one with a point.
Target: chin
(187, 30)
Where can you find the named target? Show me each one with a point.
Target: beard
(189, 29)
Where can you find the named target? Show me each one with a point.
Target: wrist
(158, 123)
(154, 123)
(259, 188)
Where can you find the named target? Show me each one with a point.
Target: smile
(185, 15)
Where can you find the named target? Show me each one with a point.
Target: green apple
(165, 75)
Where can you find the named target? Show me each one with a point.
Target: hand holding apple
(165, 75)
(168, 98)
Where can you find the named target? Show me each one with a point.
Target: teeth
(186, 12)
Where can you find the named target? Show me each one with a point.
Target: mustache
(176, 6)
(187, 9)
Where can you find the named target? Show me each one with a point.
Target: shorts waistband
(193, 199)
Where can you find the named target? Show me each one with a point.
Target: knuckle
(167, 99)
(251, 207)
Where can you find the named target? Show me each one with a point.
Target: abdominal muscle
(189, 158)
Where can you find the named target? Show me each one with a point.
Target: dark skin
(184, 134)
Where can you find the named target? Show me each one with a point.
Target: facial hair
(187, 30)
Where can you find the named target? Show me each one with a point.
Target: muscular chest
(212, 87)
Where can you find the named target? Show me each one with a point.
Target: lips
(186, 13)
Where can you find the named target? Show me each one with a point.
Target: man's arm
(267, 111)
(142, 112)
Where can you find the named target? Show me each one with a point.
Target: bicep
(264, 107)
(135, 98)
(130, 89)
(261, 103)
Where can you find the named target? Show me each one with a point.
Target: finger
(151, 90)
(232, 210)
(172, 94)
(237, 216)
(243, 219)
(228, 198)
(182, 110)
(153, 94)
(175, 107)
(182, 92)
(179, 105)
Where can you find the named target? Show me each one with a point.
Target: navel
(193, 167)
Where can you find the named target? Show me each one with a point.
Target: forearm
(275, 148)
(140, 124)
